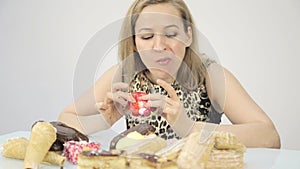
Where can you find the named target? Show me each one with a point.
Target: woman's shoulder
(109, 74)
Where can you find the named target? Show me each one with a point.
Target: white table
(255, 158)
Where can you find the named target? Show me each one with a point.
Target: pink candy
(73, 148)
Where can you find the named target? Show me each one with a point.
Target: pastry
(227, 141)
(16, 148)
(73, 148)
(133, 138)
(228, 152)
(150, 146)
(150, 161)
(42, 136)
(225, 159)
(138, 139)
(194, 153)
(171, 152)
(65, 133)
(143, 129)
(54, 158)
(101, 160)
(219, 150)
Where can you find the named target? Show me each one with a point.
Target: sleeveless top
(196, 103)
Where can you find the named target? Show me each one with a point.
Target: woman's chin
(163, 75)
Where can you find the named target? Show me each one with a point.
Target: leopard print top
(196, 103)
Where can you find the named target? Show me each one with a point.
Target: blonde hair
(191, 73)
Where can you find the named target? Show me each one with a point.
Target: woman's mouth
(163, 61)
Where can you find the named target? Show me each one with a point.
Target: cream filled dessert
(137, 134)
(101, 159)
(133, 138)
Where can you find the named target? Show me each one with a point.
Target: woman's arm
(250, 124)
(85, 114)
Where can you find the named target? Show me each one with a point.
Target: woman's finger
(114, 98)
(152, 97)
(126, 96)
(155, 100)
(156, 103)
(119, 97)
(119, 86)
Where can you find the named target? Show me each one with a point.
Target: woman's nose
(159, 43)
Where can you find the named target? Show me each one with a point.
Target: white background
(41, 41)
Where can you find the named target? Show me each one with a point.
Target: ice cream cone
(42, 136)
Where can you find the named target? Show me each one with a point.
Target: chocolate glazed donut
(144, 129)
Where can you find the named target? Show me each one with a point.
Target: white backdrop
(41, 41)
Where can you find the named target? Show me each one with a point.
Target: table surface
(255, 158)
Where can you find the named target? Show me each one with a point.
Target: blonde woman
(159, 55)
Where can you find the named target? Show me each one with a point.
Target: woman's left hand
(169, 106)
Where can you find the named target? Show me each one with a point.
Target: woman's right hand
(116, 102)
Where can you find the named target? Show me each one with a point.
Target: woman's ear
(189, 36)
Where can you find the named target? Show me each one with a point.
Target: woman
(159, 55)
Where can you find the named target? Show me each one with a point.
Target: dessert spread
(135, 148)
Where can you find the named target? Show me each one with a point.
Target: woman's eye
(171, 35)
(146, 37)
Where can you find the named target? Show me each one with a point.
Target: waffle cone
(42, 136)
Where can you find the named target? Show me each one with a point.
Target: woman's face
(161, 40)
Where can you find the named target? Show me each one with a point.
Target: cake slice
(225, 159)
(150, 161)
(101, 160)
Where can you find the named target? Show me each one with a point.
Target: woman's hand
(169, 106)
(115, 103)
